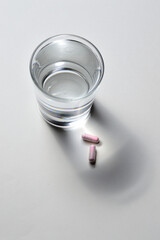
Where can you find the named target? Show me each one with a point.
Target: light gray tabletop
(48, 190)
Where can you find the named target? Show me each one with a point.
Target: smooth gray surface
(47, 188)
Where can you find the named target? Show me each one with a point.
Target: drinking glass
(66, 71)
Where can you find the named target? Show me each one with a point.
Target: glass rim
(73, 37)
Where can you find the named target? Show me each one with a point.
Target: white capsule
(90, 138)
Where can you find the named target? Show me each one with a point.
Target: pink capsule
(90, 138)
(92, 154)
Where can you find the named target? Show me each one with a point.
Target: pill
(90, 138)
(92, 154)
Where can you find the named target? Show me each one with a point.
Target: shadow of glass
(122, 171)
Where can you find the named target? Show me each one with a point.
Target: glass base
(78, 122)
(68, 124)
(65, 117)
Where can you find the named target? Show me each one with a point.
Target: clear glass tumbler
(66, 70)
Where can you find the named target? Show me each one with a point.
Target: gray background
(47, 188)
